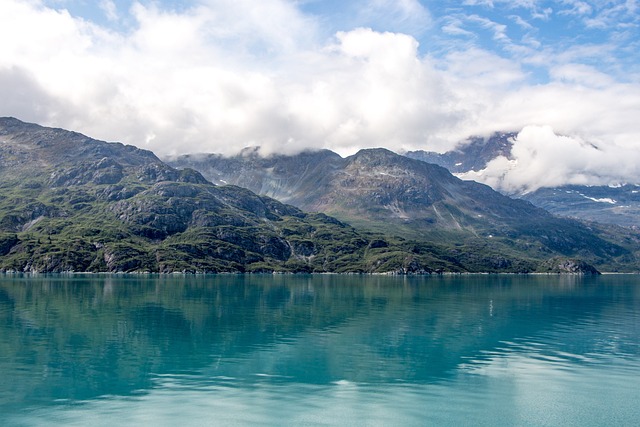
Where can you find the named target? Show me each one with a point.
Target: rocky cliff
(385, 192)
(71, 203)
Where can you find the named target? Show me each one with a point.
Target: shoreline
(280, 273)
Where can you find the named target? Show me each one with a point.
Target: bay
(319, 350)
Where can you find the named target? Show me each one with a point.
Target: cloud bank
(542, 158)
(221, 75)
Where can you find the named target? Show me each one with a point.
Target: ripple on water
(478, 351)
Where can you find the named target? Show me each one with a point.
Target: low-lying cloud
(220, 76)
(542, 158)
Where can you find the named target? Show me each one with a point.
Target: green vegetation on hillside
(70, 203)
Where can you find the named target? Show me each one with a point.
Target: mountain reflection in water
(77, 340)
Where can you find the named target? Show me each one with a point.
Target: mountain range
(380, 191)
(470, 155)
(618, 204)
(72, 203)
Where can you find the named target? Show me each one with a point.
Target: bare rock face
(568, 266)
(382, 190)
(71, 203)
(617, 204)
(7, 241)
(470, 155)
(373, 183)
(103, 171)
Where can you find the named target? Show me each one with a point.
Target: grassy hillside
(382, 192)
(70, 203)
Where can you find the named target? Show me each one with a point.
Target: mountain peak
(12, 121)
(72, 203)
(381, 190)
(472, 154)
(57, 147)
(373, 153)
(377, 157)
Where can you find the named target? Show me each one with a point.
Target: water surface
(319, 350)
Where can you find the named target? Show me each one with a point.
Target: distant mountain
(385, 192)
(473, 154)
(604, 204)
(374, 184)
(71, 203)
(618, 205)
(297, 180)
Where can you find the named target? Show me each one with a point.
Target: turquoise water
(319, 350)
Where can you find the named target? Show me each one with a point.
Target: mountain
(473, 154)
(385, 192)
(372, 185)
(290, 179)
(619, 205)
(72, 203)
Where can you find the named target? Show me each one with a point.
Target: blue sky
(607, 31)
(181, 76)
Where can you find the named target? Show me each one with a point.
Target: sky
(179, 76)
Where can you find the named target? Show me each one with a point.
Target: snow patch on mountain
(603, 200)
(541, 158)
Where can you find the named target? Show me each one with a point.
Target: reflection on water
(273, 350)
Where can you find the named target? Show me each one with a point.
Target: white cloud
(110, 9)
(184, 82)
(226, 74)
(542, 158)
(454, 26)
(521, 22)
(614, 14)
(482, 69)
(409, 16)
(581, 75)
(533, 6)
(499, 30)
(576, 7)
(22, 96)
(487, 3)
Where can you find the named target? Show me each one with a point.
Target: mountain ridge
(71, 203)
(379, 190)
(472, 154)
(617, 205)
